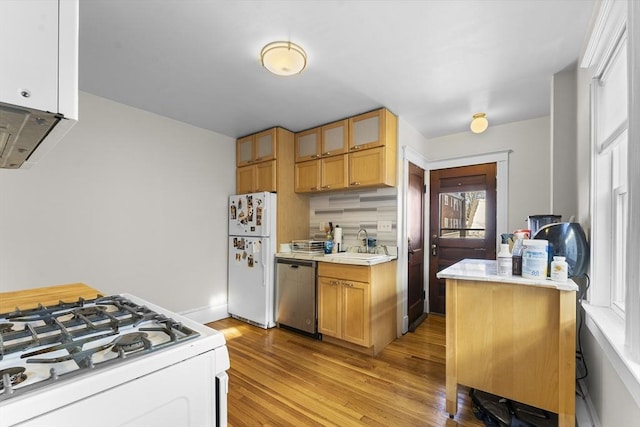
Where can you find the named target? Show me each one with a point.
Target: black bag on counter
(496, 411)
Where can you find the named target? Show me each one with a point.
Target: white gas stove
(116, 360)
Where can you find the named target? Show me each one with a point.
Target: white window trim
(620, 339)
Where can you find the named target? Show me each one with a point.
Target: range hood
(22, 131)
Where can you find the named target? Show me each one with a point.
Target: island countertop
(483, 270)
(50, 295)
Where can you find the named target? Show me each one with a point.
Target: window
(610, 139)
(615, 180)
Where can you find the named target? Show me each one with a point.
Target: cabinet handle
(348, 284)
(328, 153)
(355, 183)
(315, 156)
(326, 186)
(355, 147)
(334, 282)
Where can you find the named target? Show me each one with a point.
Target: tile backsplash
(352, 210)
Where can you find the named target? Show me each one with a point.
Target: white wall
(563, 141)
(128, 201)
(529, 162)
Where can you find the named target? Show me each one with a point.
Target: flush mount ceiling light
(479, 123)
(283, 58)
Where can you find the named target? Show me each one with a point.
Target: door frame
(501, 158)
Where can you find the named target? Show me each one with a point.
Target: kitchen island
(510, 336)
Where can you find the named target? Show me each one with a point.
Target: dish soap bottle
(504, 260)
(328, 244)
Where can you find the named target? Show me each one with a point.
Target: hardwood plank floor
(281, 378)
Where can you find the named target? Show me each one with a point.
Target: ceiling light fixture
(479, 123)
(283, 58)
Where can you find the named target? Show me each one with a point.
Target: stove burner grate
(6, 327)
(131, 342)
(12, 376)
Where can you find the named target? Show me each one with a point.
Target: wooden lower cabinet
(343, 309)
(357, 304)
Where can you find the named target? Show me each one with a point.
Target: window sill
(608, 330)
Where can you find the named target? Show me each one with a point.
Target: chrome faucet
(366, 239)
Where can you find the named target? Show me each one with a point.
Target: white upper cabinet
(40, 55)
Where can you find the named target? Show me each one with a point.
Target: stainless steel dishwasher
(296, 295)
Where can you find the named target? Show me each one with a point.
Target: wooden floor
(281, 378)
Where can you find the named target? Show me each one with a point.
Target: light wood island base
(515, 340)
(50, 295)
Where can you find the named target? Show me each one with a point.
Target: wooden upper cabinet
(330, 173)
(307, 145)
(259, 147)
(368, 168)
(374, 129)
(335, 138)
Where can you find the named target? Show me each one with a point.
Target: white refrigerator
(252, 248)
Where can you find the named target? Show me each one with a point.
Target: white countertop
(341, 258)
(486, 271)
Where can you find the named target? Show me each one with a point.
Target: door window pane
(462, 215)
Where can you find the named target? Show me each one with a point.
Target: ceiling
(434, 63)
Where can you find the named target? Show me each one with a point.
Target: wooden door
(329, 309)
(415, 234)
(334, 172)
(355, 313)
(307, 176)
(366, 167)
(462, 221)
(266, 176)
(245, 179)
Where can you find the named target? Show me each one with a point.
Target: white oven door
(180, 395)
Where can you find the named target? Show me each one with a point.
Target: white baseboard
(207, 314)
(585, 412)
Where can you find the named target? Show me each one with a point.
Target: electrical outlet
(384, 225)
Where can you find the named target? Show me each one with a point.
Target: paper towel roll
(337, 235)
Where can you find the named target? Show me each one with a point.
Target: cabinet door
(367, 167)
(329, 306)
(245, 179)
(334, 172)
(29, 34)
(307, 146)
(366, 130)
(307, 176)
(265, 145)
(356, 303)
(335, 138)
(244, 151)
(266, 176)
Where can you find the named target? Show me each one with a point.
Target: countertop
(50, 295)
(486, 271)
(341, 258)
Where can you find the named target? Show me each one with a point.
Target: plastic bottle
(559, 269)
(328, 245)
(535, 259)
(504, 260)
(516, 258)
